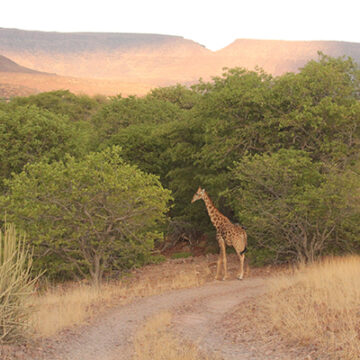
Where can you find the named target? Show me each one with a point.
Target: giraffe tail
(244, 251)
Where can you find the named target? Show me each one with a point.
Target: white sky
(214, 24)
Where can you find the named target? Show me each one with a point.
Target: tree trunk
(96, 272)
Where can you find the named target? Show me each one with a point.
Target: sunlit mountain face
(112, 63)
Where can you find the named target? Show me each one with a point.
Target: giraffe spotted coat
(227, 233)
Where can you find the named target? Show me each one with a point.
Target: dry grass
(16, 284)
(155, 341)
(63, 307)
(318, 306)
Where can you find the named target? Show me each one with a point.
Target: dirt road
(197, 316)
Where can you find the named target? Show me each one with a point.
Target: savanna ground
(176, 311)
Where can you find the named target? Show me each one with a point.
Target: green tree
(318, 110)
(142, 127)
(97, 213)
(233, 112)
(294, 207)
(121, 113)
(226, 121)
(145, 145)
(249, 112)
(28, 134)
(77, 108)
(179, 95)
(62, 102)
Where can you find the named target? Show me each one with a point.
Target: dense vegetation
(86, 178)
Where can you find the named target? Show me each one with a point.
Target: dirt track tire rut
(197, 317)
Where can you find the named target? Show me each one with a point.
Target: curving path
(197, 316)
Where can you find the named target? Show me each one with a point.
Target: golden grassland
(155, 341)
(316, 308)
(320, 304)
(61, 307)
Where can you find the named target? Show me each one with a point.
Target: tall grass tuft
(155, 341)
(16, 285)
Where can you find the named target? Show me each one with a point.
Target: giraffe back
(234, 235)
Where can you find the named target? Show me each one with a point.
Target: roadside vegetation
(100, 184)
(16, 285)
(315, 308)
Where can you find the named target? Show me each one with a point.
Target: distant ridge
(280, 56)
(7, 65)
(104, 55)
(102, 60)
(43, 41)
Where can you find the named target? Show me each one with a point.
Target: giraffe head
(199, 194)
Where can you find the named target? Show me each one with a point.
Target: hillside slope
(20, 84)
(7, 65)
(104, 55)
(10, 71)
(277, 56)
(149, 60)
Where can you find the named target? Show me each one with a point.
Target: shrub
(16, 285)
(96, 213)
(181, 255)
(157, 259)
(293, 207)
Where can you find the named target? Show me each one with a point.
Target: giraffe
(227, 233)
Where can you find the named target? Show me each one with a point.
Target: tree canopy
(96, 213)
(29, 134)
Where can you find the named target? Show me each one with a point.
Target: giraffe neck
(216, 217)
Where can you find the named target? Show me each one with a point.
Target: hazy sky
(212, 23)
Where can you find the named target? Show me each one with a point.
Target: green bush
(294, 207)
(96, 214)
(30, 134)
(62, 102)
(157, 259)
(16, 285)
(181, 255)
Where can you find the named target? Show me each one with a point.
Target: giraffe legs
(241, 268)
(240, 274)
(219, 263)
(222, 259)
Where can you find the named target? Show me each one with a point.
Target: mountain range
(113, 63)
